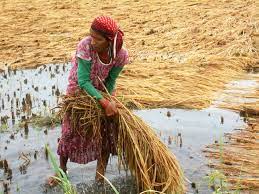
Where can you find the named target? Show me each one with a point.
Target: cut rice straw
(192, 51)
(139, 149)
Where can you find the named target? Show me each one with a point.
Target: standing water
(25, 93)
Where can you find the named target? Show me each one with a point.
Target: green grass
(3, 128)
(65, 184)
(18, 188)
(217, 180)
(42, 121)
(45, 121)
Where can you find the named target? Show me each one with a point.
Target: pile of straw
(138, 147)
(238, 158)
(188, 53)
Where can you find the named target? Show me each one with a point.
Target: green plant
(221, 149)
(65, 184)
(45, 121)
(18, 188)
(217, 180)
(3, 128)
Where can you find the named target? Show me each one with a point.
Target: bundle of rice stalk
(138, 147)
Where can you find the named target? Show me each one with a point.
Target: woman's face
(98, 42)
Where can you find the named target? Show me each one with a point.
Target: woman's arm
(111, 79)
(84, 81)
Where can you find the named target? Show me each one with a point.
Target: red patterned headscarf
(110, 30)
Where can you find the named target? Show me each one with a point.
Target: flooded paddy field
(25, 167)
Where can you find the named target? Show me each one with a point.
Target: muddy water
(28, 92)
(185, 132)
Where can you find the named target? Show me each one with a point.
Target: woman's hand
(109, 107)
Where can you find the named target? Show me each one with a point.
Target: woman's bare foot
(52, 181)
(99, 177)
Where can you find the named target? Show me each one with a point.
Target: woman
(98, 61)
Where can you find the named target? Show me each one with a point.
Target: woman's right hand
(109, 107)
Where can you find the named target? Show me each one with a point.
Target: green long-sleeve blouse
(84, 81)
